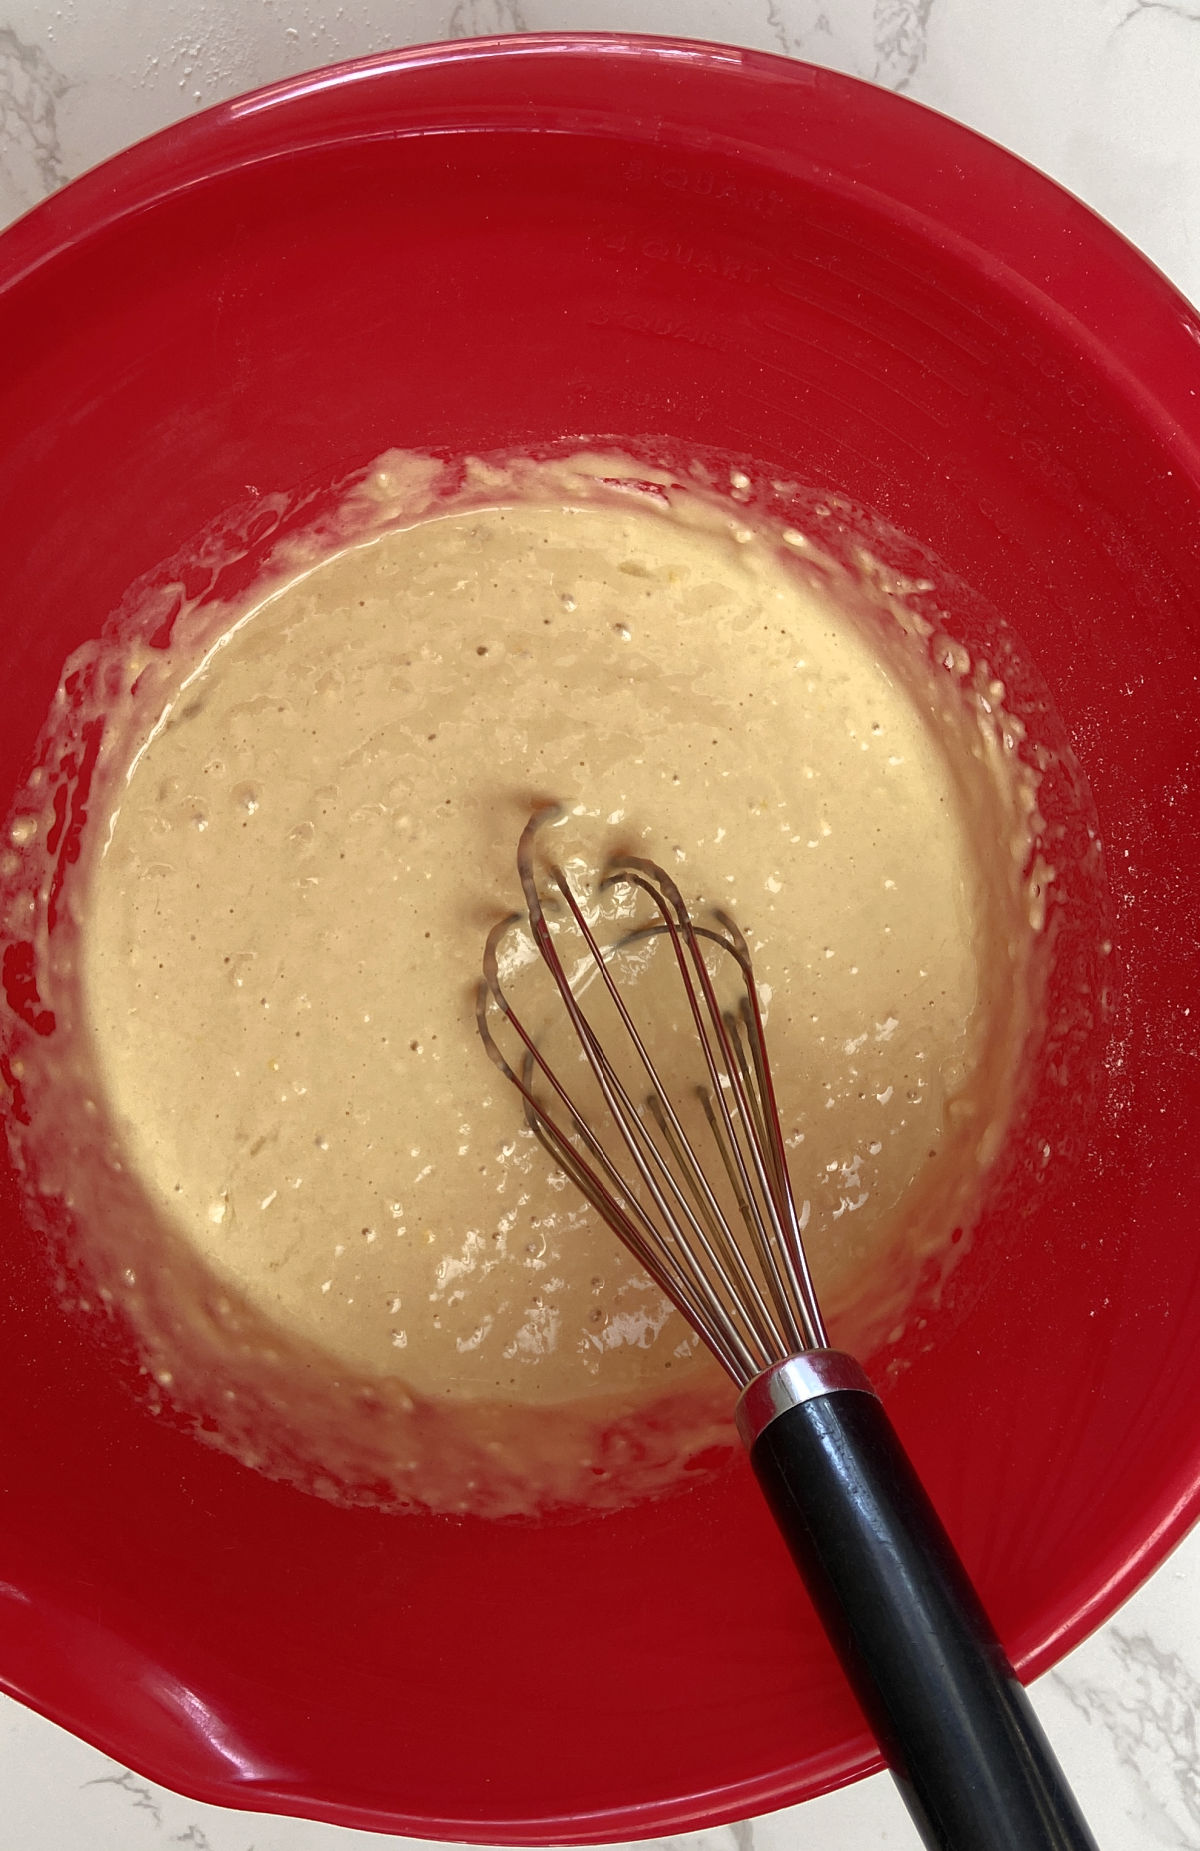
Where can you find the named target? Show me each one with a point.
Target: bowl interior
(498, 246)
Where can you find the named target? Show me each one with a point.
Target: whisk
(683, 1157)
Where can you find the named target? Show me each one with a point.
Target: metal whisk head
(682, 1156)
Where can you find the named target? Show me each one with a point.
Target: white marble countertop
(1102, 94)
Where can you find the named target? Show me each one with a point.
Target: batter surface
(305, 825)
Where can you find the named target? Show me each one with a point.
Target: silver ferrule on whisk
(791, 1383)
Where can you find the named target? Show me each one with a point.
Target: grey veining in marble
(477, 18)
(30, 90)
(1147, 1702)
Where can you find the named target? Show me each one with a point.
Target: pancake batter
(290, 1163)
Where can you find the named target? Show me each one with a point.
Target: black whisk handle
(948, 1711)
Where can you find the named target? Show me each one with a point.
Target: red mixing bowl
(492, 245)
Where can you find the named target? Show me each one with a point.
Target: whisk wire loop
(730, 1120)
(671, 1251)
(743, 1280)
(751, 1299)
(752, 1129)
(678, 1273)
